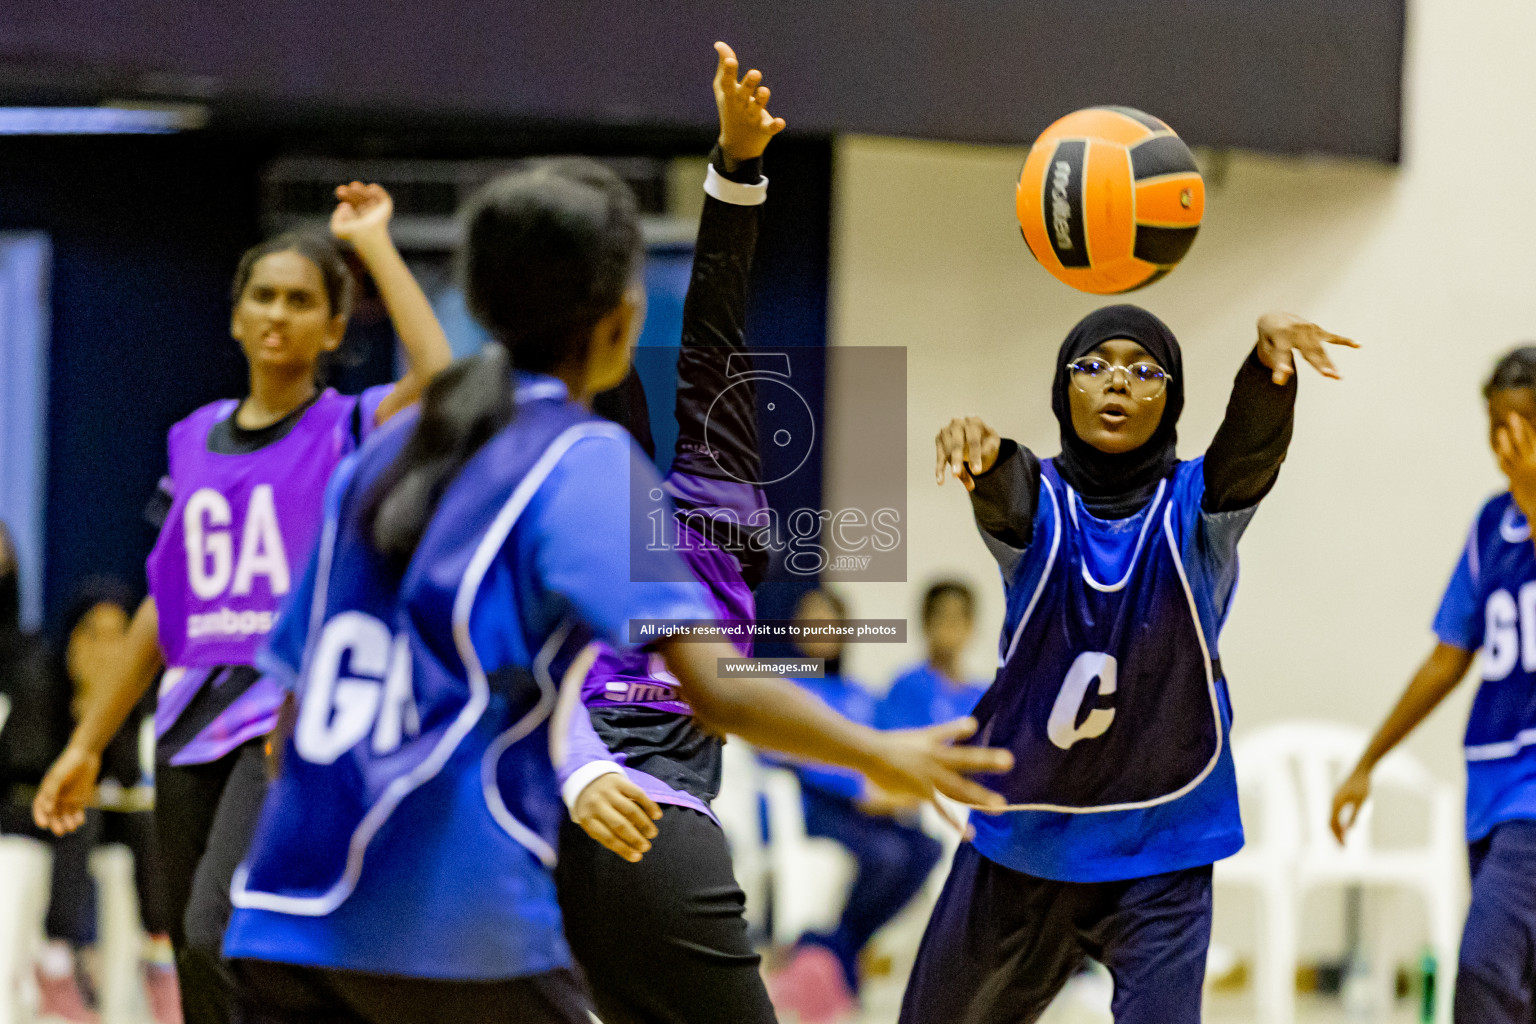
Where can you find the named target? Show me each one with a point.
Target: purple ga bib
(240, 530)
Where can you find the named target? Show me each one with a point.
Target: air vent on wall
(298, 192)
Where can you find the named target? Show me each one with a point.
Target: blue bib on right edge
(1110, 698)
(1500, 742)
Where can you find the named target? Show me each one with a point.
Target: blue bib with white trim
(1110, 698)
(414, 825)
(1501, 729)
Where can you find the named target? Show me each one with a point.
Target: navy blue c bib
(1107, 693)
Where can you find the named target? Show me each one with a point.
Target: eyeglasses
(1144, 381)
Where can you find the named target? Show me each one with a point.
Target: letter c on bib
(1062, 728)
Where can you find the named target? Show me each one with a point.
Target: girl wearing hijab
(402, 870)
(1120, 563)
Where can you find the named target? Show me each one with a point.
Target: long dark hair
(548, 252)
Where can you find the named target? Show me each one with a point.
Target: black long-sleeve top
(1241, 465)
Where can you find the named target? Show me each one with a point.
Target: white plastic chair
(25, 866)
(1291, 770)
(736, 807)
(811, 876)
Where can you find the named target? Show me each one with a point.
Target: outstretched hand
(745, 124)
(1282, 336)
(918, 763)
(1515, 444)
(965, 447)
(361, 211)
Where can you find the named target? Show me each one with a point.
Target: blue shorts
(1494, 982)
(1001, 944)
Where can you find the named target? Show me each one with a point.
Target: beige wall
(1429, 265)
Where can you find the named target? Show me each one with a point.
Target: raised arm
(715, 310)
(362, 218)
(718, 464)
(1244, 460)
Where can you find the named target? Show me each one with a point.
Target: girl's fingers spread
(1336, 339)
(761, 96)
(949, 732)
(778, 125)
(1315, 355)
(973, 760)
(750, 81)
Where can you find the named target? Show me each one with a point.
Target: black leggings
(662, 941)
(205, 815)
(272, 993)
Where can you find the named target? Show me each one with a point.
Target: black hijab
(1116, 486)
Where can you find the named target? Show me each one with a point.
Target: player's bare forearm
(421, 336)
(767, 712)
(777, 714)
(1438, 676)
(109, 705)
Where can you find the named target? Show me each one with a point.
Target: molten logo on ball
(1109, 199)
(1061, 207)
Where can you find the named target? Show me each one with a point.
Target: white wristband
(583, 777)
(734, 192)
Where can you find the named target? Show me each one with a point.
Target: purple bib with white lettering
(240, 528)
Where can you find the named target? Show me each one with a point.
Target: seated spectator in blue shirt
(936, 690)
(894, 858)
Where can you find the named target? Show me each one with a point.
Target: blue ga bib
(414, 826)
